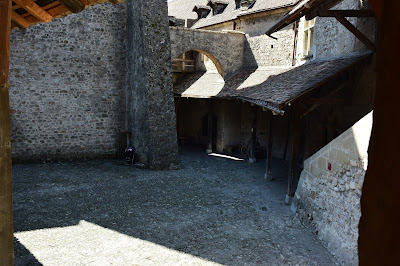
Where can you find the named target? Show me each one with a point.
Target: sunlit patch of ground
(90, 244)
(213, 210)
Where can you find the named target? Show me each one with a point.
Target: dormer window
(244, 4)
(218, 6)
(202, 11)
(237, 3)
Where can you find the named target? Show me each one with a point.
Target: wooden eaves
(28, 12)
(313, 8)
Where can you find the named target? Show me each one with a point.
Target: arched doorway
(197, 77)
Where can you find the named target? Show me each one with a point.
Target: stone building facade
(262, 50)
(328, 194)
(235, 118)
(327, 198)
(332, 39)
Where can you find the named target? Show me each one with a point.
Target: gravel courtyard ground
(211, 211)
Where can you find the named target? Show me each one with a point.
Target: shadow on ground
(216, 209)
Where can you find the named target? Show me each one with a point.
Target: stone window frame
(308, 38)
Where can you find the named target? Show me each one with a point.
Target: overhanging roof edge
(301, 9)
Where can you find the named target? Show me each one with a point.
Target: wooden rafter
(324, 5)
(46, 13)
(75, 6)
(346, 13)
(19, 20)
(34, 9)
(356, 32)
(341, 15)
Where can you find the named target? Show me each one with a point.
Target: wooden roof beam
(20, 21)
(370, 45)
(34, 9)
(346, 13)
(75, 6)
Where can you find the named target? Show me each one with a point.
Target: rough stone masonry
(70, 95)
(328, 194)
(67, 86)
(150, 101)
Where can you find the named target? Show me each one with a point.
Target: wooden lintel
(34, 9)
(75, 6)
(356, 33)
(20, 21)
(346, 13)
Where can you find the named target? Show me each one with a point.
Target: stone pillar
(150, 101)
(6, 217)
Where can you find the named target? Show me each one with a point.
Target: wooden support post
(294, 123)
(268, 172)
(210, 128)
(6, 218)
(252, 153)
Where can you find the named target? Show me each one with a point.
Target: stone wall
(327, 198)
(224, 48)
(262, 50)
(259, 49)
(332, 39)
(67, 91)
(233, 121)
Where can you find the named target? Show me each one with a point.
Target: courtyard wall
(327, 198)
(67, 92)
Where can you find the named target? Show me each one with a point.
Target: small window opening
(308, 38)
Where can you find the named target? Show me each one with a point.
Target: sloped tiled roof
(231, 12)
(270, 87)
(182, 9)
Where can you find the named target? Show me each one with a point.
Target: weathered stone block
(314, 169)
(322, 164)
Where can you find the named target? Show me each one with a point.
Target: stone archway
(225, 49)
